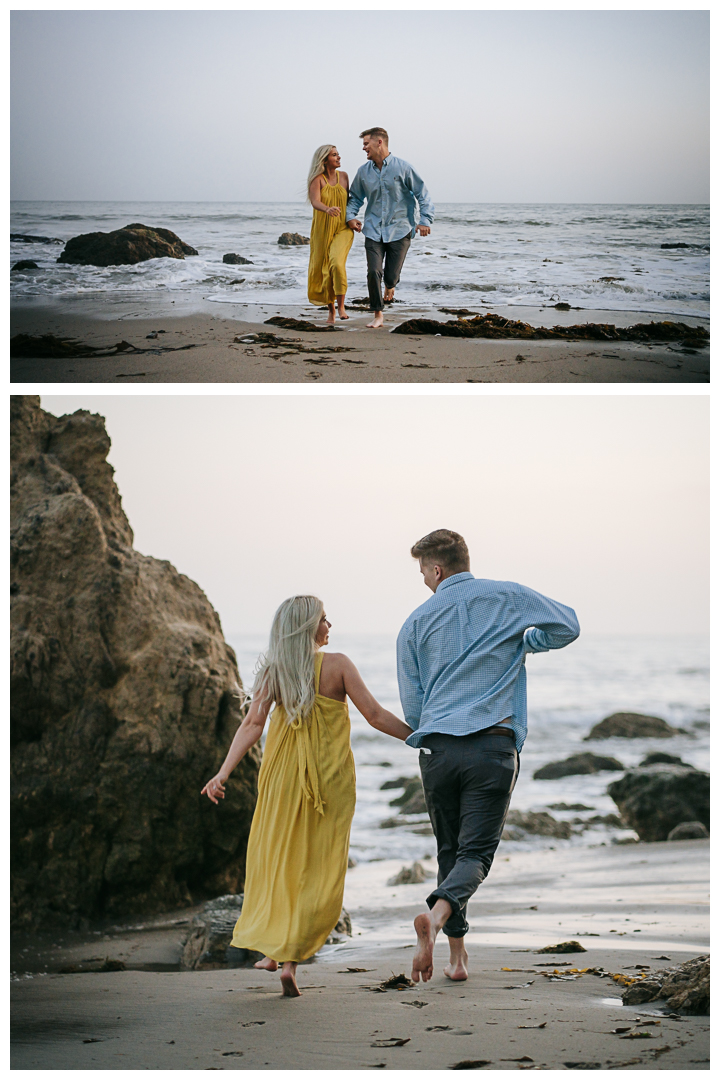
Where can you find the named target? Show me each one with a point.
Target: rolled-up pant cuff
(457, 925)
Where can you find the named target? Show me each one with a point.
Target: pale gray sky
(490, 106)
(600, 502)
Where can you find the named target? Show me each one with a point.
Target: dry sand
(368, 356)
(627, 905)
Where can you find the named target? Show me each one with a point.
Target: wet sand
(364, 356)
(628, 905)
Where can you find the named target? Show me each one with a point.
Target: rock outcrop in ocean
(655, 799)
(630, 725)
(125, 698)
(132, 244)
(578, 765)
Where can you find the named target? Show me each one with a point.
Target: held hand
(333, 211)
(424, 230)
(214, 789)
(355, 224)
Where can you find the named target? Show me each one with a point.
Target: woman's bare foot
(457, 968)
(341, 307)
(377, 321)
(423, 957)
(287, 978)
(331, 315)
(267, 964)
(389, 295)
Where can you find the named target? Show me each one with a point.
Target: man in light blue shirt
(393, 191)
(461, 673)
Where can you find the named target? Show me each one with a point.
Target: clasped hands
(355, 224)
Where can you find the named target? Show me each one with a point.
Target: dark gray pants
(394, 255)
(468, 781)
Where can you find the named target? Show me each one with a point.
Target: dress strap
(307, 766)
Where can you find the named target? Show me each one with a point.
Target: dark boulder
(398, 782)
(207, 943)
(539, 824)
(685, 988)
(412, 800)
(659, 758)
(288, 239)
(26, 264)
(630, 725)
(124, 699)
(131, 244)
(679, 245)
(578, 765)
(653, 800)
(236, 260)
(689, 830)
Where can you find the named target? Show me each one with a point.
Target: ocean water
(482, 256)
(568, 692)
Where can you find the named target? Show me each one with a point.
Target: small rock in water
(689, 830)
(578, 765)
(26, 264)
(236, 260)
(633, 726)
(293, 239)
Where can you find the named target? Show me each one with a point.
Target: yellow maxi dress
(330, 242)
(298, 846)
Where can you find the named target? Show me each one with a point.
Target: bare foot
(287, 978)
(377, 322)
(343, 313)
(423, 957)
(389, 295)
(267, 964)
(457, 968)
(331, 316)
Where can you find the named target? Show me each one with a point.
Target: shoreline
(350, 354)
(654, 896)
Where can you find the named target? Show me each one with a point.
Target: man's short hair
(376, 133)
(444, 547)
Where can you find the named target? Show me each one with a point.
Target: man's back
(461, 654)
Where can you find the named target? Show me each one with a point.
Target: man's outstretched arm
(549, 624)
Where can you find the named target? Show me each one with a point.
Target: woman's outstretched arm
(371, 709)
(246, 736)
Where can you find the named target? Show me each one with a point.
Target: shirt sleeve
(411, 693)
(548, 624)
(356, 197)
(421, 193)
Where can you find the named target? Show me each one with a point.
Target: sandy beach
(628, 905)
(207, 350)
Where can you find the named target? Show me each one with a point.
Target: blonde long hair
(286, 672)
(317, 166)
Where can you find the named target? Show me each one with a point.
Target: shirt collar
(386, 161)
(455, 579)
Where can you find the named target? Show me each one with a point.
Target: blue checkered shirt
(461, 655)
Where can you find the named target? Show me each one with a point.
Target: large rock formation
(125, 698)
(132, 244)
(653, 800)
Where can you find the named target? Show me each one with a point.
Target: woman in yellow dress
(330, 237)
(298, 846)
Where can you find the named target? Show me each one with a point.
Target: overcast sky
(490, 106)
(600, 502)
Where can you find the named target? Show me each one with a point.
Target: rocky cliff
(125, 698)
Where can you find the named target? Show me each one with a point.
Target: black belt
(499, 729)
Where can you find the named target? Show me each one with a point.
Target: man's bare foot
(377, 321)
(287, 978)
(423, 957)
(267, 964)
(389, 295)
(457, 968)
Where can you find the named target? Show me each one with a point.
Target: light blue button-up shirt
(461, 655)
(391, 192)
